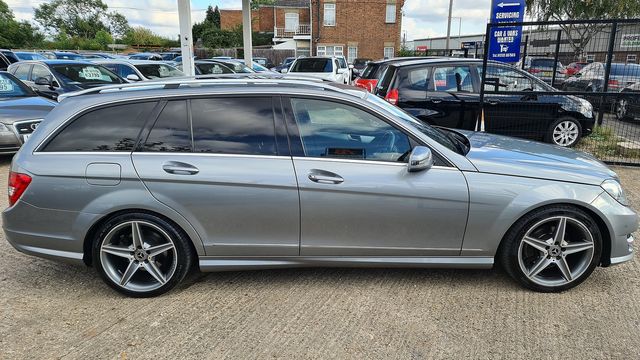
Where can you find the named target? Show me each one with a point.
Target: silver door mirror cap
(133, 77)
(420, 159)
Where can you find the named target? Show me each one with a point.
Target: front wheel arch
(605, 258)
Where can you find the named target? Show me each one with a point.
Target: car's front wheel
(141, 255)
(565, 132)
(552, 249)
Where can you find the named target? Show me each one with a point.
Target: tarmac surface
(52, 310)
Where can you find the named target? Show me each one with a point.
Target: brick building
(353, 28)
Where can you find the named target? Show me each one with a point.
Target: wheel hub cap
(140, 255)
(555, 251)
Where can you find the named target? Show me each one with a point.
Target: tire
(565, 132)
(153, 265)
(537, 265)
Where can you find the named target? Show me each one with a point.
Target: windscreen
(85, 74)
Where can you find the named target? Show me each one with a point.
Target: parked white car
(320, 67)
(140, 70)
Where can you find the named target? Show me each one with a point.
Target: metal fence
(595, 60)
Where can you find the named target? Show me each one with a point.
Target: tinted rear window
(370, 71)
(233, 126)
(543, 63)
(312, 65)
(113, 128)
(171, 132)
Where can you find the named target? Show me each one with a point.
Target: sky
(422, 18)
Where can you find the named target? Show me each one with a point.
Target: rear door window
(171, 132)
(22, 72)
(453, 79)
(233, 125)
(113, 128)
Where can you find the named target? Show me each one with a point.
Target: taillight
(534, 71)
(17, 185)
(614, 84)
(392, 96)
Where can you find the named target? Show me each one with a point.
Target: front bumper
(9, 142)
(622, 222)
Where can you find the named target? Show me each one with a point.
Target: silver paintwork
(244, 211)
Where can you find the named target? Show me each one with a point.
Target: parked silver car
(245, 174)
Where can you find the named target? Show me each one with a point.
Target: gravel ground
(50, 310)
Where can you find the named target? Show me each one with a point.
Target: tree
(79, 18)
(579, 35)
(16, 34)
(211, 21)
(103, 38)
(118, 25)
(215, 18)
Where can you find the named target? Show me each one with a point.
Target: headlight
(4, 128)
(585, 108)
(613, 188)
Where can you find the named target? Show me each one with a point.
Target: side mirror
(420, 159)
(350, 66)
(284, 71)
(133, 77)
(341, 71)
(43, 81)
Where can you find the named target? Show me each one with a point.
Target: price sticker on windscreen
(6, 85)
(91, 73)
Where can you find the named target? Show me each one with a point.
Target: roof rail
(203, 80)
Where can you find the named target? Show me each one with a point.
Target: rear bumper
(44, 233)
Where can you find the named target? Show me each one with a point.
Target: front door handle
(325, 177)
(179, 168)
(493, 101)
(436, 101)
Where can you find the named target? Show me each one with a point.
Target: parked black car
(286, 63)
(264, 62)
(628, 103)
(50, 78)
(22, 111)
(219, 67)
(446, 92)
(9, 55)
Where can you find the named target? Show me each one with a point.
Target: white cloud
(422, 18)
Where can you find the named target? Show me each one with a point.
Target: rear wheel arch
(87, 247)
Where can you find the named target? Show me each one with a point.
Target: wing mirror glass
(420, 159)
(284, 71)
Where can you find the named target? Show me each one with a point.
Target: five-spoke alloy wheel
(552, 249)
(141, 254)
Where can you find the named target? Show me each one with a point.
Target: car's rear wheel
(552, 249)
(141, 255)
(565, 132)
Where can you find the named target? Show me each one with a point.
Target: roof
(128, 61)
(435, 60)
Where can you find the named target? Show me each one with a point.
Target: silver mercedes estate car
(146, 181)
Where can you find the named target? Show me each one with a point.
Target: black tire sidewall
(508, 254)
(549, 136)
(184, 253)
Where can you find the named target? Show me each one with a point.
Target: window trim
(329, 6)
(297, 149)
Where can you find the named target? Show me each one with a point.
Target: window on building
(391, 13)
(632, 59)
(389, 52)
(591, 58)
(329, 50)
(352, 53)
(329, 14)
(291, 21)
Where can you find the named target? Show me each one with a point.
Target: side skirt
(212, 263)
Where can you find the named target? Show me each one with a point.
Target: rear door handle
(493, 101)
(325, 177)
(436, 101)
(179, 168)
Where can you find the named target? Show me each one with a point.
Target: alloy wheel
(621, 109)
(556, 251)
(138, 256)
(566, 133)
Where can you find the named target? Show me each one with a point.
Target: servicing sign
(504, 41)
